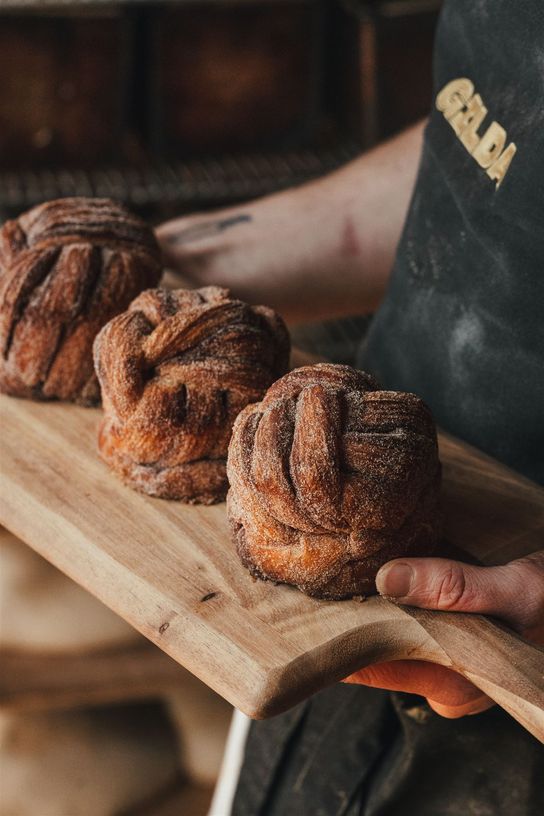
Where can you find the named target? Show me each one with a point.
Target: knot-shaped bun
(330, 478)
(66, 268)
(175, 370)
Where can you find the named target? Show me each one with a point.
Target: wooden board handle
(503, 665)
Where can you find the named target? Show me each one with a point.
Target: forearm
(322, 250)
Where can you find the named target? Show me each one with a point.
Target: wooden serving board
(170, 570)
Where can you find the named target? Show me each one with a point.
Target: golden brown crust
(175, 370)
(66, 268)
(331, 477)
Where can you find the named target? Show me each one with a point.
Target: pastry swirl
(330, 477)
(66, 268)
(175, 370)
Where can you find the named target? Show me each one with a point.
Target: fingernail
(395, 580)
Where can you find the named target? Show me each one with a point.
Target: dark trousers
(356, 751)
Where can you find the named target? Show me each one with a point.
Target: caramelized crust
(330, 478)
(66, 268)
(175, 370)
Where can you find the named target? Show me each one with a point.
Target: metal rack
(196, 182)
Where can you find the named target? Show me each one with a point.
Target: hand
(514, 593)
(273, 249)
(314, 252)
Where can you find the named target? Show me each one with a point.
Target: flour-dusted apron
(462, 324)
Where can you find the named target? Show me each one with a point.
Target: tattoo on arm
(200, 231)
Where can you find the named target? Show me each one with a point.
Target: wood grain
(170, 570)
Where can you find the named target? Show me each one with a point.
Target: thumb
(514, 592)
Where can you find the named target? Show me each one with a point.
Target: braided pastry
(176, 369)
(66, 268)
(330, 478)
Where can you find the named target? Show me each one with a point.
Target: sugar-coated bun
(175, 370)
(330, 477)
(66, 268)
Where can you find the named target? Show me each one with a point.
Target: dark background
(176, 106)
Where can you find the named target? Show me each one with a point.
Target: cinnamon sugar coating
(330, 478)
(175, 370)
(66, 268)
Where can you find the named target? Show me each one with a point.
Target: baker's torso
(462, 323)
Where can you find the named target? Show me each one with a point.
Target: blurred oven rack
(198, 182)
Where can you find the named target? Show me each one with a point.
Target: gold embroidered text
(465, 112)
